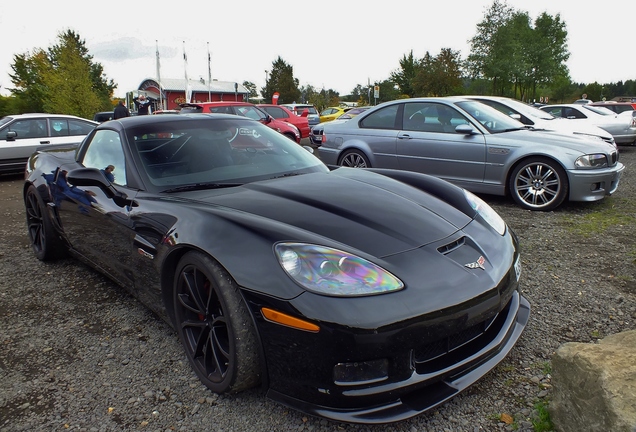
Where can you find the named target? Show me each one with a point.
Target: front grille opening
(447, 351)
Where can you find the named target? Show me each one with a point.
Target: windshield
(599, 110)
(491, 119)
(529, 111)
(216, 151)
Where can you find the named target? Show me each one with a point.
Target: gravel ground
(78, 353)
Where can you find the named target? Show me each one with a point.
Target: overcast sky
(335, 45)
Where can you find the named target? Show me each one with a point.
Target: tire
(214, 325)
(291, 136)
(538, 184)
(45, 242)
(354, 159)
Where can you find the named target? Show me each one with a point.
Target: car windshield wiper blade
(201, 186)
(291, 174)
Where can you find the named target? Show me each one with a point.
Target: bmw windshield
(491, 119)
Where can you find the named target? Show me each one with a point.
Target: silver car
(621, 126)
(21, 135)
(538, 119)
(476, 147)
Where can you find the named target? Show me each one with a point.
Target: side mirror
(465, 129)
(96, 178)
(11, 135)
(516, 116)
(268, 118)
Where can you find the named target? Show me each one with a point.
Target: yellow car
(332, 113)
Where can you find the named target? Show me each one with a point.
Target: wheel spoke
(538, 185)
(191, 298)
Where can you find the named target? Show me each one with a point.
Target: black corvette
(364, 296)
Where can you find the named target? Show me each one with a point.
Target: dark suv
(244, 109)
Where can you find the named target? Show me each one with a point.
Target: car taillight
(323, 138)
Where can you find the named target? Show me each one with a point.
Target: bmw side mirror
(465, 129)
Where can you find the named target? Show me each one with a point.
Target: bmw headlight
(333, 272)
(597, 160)
(486, 212)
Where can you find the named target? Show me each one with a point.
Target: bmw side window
(105, 152)
(381, 119)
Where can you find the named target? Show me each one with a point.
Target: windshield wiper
(291, 174)
(201, 186)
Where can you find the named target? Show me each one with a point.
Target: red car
(244, 109)
(283, 113)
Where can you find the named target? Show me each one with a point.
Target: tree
(439, 76)
(29, 91)
(251, 87)
(403, 77)
(63, 79)
(281, 79)
(548, 50)
(485, 59)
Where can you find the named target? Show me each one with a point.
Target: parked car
(622, 128)
(538, 119)
(312, 113)
(332, 113)
(476, 147)
(244, 109)
(23, 134)
(103, 116)
(617, 107)
(211, 221)
(315, 136)
(283, 113)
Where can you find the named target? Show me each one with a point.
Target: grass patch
(606, 213)
(542, 422)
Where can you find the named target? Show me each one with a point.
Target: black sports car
(359, 295)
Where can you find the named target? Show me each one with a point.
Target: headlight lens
(486, 212)
(334, 272)
(591, 161)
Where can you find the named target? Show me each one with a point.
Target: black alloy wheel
(214, 325)
(354, 159)
(539, 184)
(44, 241)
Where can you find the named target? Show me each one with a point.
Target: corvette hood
(350, 207)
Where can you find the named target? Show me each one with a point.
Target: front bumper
(406, 352)
(594, 185)
(422, 390)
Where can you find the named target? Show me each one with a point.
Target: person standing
(121, 111)
(142, 104)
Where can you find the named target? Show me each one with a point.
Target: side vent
(451, 246)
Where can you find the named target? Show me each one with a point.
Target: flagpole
(159, 78)
(185, 72)
(209, 74)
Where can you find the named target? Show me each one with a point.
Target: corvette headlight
(486, 212)
(333, 272)
(591, 161)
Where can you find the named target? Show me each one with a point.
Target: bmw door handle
(404, 136)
